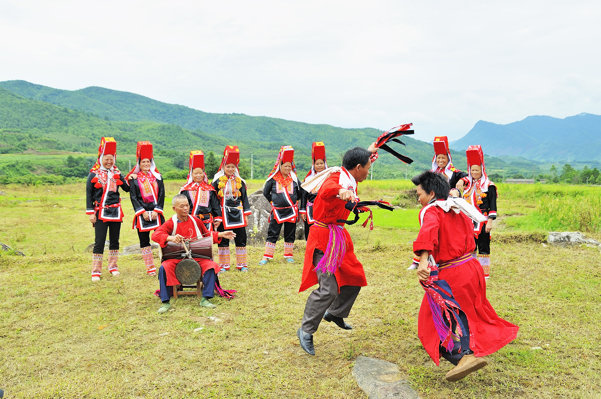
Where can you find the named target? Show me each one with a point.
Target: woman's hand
(228, 234)
(454, 193)
(488, 227)
(372, 147)
(146, 216)
(133, 176)
(93, 218)
(216, 223)
(153, 215)
(304, 217)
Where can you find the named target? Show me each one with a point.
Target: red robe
(187, 230)
(447, 236)
(328, 209)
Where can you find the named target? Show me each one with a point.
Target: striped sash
(455, 262)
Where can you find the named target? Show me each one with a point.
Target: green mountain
(40, 118)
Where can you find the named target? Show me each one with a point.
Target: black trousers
(240, 239)
(100, 230)
(464, 343)
(144, 237)
(307, 226)
(273, 232)
(483, 241)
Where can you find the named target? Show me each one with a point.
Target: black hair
(433, 182)
(355, 156)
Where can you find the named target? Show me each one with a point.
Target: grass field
(62, 336)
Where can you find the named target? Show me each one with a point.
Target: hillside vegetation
(40, 119)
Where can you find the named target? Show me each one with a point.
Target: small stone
(380, 379)
(198, 329)
(6, 248)
(536, 348)
(163, 334)
(214, 319)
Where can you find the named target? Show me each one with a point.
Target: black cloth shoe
(306, 341)
(338, 320)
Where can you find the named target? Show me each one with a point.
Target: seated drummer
(188, 227)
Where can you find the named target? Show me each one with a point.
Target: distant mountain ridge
(42, 118)
(540, 138)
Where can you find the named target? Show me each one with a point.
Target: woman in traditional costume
(202, 196)
(233, 199)
(318, 156)
(103, 206)
(456, 320)
(281, 189)
(147, 196)
(482, 193)
(442, 163)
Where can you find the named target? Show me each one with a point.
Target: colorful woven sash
(455, 262)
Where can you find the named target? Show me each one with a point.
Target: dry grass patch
(63, 336)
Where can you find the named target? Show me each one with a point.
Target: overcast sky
(442, 65)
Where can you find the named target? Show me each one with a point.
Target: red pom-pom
(95, 179)
(119, 182)
(116, 177)
(98, 185)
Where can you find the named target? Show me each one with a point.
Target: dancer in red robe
(330, 259)
(456, 322)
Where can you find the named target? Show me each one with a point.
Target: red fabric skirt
(169, 265)
(488, 332)
(349, 273)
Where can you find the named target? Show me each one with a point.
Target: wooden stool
(178, 290)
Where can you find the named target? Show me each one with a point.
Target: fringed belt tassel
(335, 251)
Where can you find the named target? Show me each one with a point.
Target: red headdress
(231, 155)
(441, 147)
(475, 156)
(286, 154)
(144, 151)
(197, 160)
(108, 146)
(318, 151)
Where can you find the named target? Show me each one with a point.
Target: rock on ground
(258, 220)
(6, 248)
(380, 379)
(570, 238)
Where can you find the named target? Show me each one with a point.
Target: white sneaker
(95, 278)
(115, 273)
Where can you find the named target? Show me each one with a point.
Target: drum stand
(178, 290)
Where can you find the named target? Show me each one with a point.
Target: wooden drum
(200, 248)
